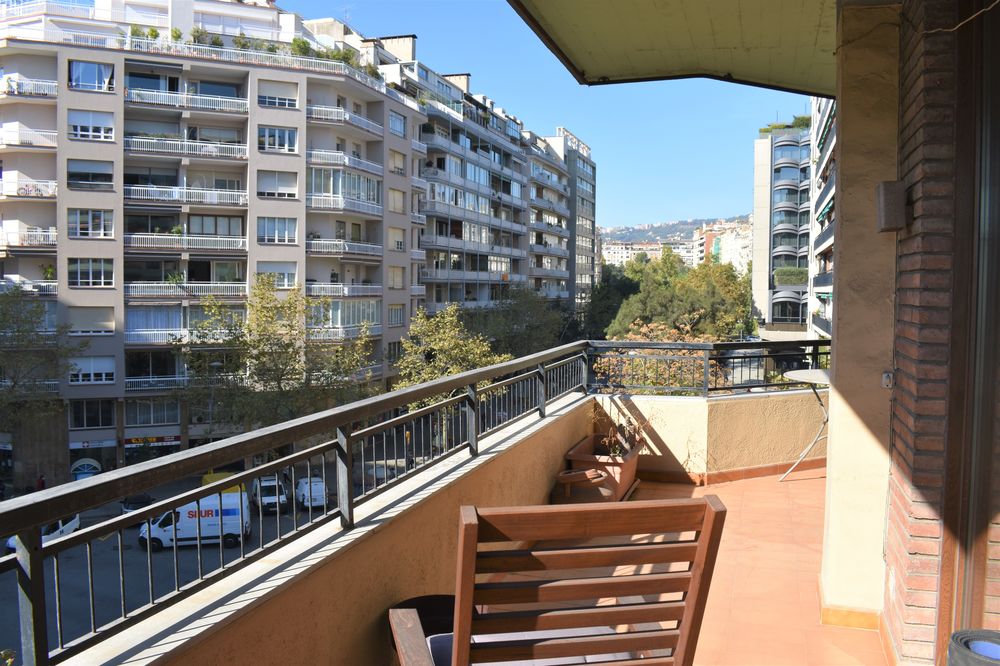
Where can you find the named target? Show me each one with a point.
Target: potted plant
(48, 271)
(613, 448)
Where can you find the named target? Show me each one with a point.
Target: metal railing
(155, 336)
(155, 383)
(338, 290)
(339, 158)
(418, 146)
(418, 218)
(541, 271)
(191, 195)
(354, 452)
(826, 234)
(549, 228)
(419, 183)
(822, 324)
(336, 114)
(341, 332)
(187, 100)
(337, 202)
(24, 187)
(544, 202)
(208, 149)
(14, 85)
(185, 242)
(418, 255)
(175, 289)
(418, 290)
(31, 238)
(550, 249)
(23, 136)
(338, 246)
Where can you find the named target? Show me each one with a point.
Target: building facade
(824, 215)
(781, 214)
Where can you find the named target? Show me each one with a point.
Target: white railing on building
(339, 158)
(339, 246)
(191, 195)
(30, 238)
(419, 183)
(342, 332)
(418, 218)
(187, 100)
(548, 272)
(23, 136)
(418, 290)
(155, 383)
(338, 290)
(418, 146)
(549, 228)
(145, 144)
(418, 255)
(176, 289)
(15, 85)
(336, 114)
(32, 286)
(337, 202)
(185, 242)
(550, 249)
(86, 10)
(156, 336)
(24, 187)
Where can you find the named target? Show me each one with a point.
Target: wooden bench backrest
(643, 568)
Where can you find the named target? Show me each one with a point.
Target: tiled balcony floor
(763, 607)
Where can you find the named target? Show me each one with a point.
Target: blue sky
(667, 150)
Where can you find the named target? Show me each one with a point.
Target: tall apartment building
(142, 174)
(824, 216)
(735, 246)
(781, 218)
(619, 253)
(710, 237)
(550, 219)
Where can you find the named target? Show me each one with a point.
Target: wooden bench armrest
(408, 634)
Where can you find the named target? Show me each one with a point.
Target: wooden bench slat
(533, 591)
(550, 648)
(497, 561)
(597, 616)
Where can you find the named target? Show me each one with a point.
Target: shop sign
(163, 440)
(94, 444)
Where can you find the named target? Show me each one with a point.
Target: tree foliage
(521, 323)
(605, 301)
(262, 369)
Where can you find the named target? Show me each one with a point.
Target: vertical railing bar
(90, 587)
(197, 530)
(345, 486)
(149, 559)
(222, 536)
(243, 519)
(121, 570)
(58, 598)
(31, 597)
(173, 549)
(260, 513)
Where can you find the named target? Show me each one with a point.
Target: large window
(214, 134)
(276, 230)
(153, 318)
(283, 272)
(215, 225)
(280, 184)
(158, 411)
(397, 277)
(397, 163)
(90, 272)
(397, 313)
(397, 239)
(90, 223)
(282, 94)
(216, 88)
(393, 351)
(277, 139)
(142, 175)
(90, 174)
(92, 370)
(92, 125)
(91, 320)
(91, 414)
(397, 124)
(85, 75)
(397, 200)
(350, 312)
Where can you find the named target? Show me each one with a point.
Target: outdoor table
(813, 378)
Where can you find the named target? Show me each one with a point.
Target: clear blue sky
(665, 150)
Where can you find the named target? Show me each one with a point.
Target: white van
(53, 531)
(269, 494)
(187, 519)
(310, 492)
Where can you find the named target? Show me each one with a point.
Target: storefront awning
(783, 44)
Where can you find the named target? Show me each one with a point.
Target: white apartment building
(824, 216)
(141, 174)
(688, 249)
(619, 253)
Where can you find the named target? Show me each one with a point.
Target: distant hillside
(662, 231)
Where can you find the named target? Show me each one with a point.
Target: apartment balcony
(340, 116)
(553, 250)
(418, 218)
(155, 336)
(338, 290)
(339, 158)
(824, 238)
(459, 275)
(43, 239)
(186, 195)
(553, 294)
(25, 137)
(418, 255)
(25, 188)
(187, 101)
(37, 287)
(19, 89)
(540, 271)
(822, 324)
(419, 183)
(182, 242)
(548, 204)
(418, 147)
(418, 291)
(336, 202)
(823, 280)
(183, 148)
(335, 333)
(185, 289)
(825, 196)
(155, 383)
(549, 228)
(551, 184)
(452, 243)
(338, 247)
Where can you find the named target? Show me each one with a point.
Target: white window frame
(154, 410)
(397, 124)
(92, 370)
(282, 278)
(277, 139)
(396, 315)
(97, 223)
(91, 125)
(90, 272)
(279, 230)
(269, 178)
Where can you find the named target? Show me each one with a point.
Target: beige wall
(858, 462)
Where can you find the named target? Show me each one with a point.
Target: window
(397, 124)
(141, 175)
(217, 88)
(280, 184)
(215, 225)
(397, 163)
(283, 272)
(281, 94)
(393, 351)
(276, 229)
(91, 414)
(90, 223)
(396, 315)
(153, 318)
(159, 411)
(277, 139)
(91, 272)
(92, 125)
(214, 134)
(397, 277)
(91, 320)
(396, 201)
(397, 238)
(347, 313)
(92, 370)
(85, 75)
(89, 174)
(144, 223)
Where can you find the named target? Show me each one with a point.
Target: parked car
(53, 530)
(136, 502)
(209, 519)
(269, 494)
(310, 492)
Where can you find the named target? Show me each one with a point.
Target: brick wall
(922, 333)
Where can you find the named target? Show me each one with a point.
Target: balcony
(25, 188)
(11, 86)
(550, 249)
(825, 196)
(450, 242)
(337, 290)
(182, 148)
(548, 204)
(155, 383)
(419, 183)
(341, 332)
(188, 101)
(824, 238)
(339, 116)
(185, 289)
(418, 255)
(518, 424)
(418, 146)
(418, 218)
(338, 158)
(822, 324)
(185, 242)
(418, 291)
(824, 279)
(38, 287)
(549, 228)
(24, 136)
(336, 202)
(338, 247)
(155, 336)
(186, 195)
(541, 271)
(31, 238)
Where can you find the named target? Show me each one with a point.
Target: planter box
(620, 469)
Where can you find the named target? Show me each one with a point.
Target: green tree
(655, 300)
(605, 301)
(262, 368)
(199, 35)
(520, 323)
(301, 47)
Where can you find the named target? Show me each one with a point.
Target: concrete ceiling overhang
(781, 44)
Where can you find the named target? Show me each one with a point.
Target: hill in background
(661, 231)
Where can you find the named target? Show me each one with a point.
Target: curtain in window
(152, 317)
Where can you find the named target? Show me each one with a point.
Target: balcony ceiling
(784, 44)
